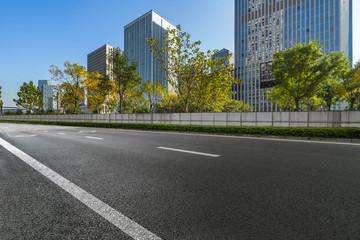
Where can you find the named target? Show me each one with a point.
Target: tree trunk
(75, 105)
(186, 107)
(297, 108)
(352, 103)
(121, 103)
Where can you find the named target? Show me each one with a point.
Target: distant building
(136, 33)
(98, 61)
(47, 90)
(223, 53)
(263, 27)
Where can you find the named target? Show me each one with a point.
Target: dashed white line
(121, 221)
(243, 137)
(61, 133)
(25, 136)
(46, 131)
(187, 151)
(94, 138)
(93, 131)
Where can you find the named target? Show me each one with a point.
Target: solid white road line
(124, 223)
(94, 138)
(61, 133)
(186, 151)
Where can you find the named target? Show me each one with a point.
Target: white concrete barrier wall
(283, 119)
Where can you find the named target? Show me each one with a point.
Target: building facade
(136, 33)
(98, 60)
(265, 26)
(48, 91)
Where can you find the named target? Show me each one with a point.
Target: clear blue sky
(36, 34)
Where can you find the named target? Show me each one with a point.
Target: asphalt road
(224, 188)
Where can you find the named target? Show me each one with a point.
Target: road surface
(88, 183)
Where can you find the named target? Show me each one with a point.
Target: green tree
(100, 95)
(280, 97)
(29, 97)
(152, 94)
(201, 82)
(301, 70)
(351, 87)
(237, 106)
(213, 84)
(72, 80)
(313, 103)
(66, 98)
(170, 103)
(136, 102)
(126, 80)
(330, 93)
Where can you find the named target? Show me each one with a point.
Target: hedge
(317, 132)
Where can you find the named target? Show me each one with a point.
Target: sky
(37, 34)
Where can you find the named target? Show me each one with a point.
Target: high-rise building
(47, 90)
(98, 60)
(265, 26)
(136, 33)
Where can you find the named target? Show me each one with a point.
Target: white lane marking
(80, 131)
(122, 222)
(186, 151)
(242, 137)
(61, 133)
(94, 138)
(46, 131)
(93, 131)
(25, 136)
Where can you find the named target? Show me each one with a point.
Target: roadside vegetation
(306, 79)
(29, 98)
(305, 132)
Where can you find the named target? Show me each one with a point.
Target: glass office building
(136, 33)
(265, 26)
(47, 90)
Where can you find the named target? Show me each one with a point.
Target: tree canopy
(301, 71)
(152, 94)
(29, 97)
(100, 93)
(72, 82)
(202, 82)
(126, 79)
(351, 87)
